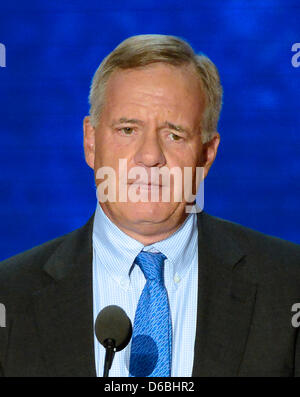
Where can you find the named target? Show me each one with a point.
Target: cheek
(196, 152)
(188, 155)
(104, 145)
(109, 152)
(109, 141)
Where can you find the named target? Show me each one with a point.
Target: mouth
(141, 183)
(145, 185)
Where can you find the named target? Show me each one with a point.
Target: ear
(89, 141)
(210, 149)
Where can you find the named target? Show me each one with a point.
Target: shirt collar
(179, 248)
(117, 251)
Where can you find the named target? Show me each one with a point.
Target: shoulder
(26, 269)
(24, 272)
(244, 234)
(266, 252)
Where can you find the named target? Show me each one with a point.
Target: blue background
(53, 49)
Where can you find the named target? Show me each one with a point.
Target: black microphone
(113, 330)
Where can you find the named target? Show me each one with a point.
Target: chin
(148, 212)
(143, 212)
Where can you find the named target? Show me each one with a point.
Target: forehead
(158, 87)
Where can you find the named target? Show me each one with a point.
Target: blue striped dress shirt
(116, 281)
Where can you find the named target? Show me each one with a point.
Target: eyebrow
(175, 127)
(124, 120)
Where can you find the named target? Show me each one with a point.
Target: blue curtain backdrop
(52, 51)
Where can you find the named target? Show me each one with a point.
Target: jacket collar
(64, 309)
(225, 299)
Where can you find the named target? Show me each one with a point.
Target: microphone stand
(110, 348)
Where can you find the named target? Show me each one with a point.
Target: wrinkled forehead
(185, 73)
(158, 87)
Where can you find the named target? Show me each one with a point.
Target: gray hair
(142, 50)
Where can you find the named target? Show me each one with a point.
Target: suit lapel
(225, 301)
(64, 309)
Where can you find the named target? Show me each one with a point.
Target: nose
(149, 152)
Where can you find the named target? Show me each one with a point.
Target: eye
(127, 130)
(175, 137)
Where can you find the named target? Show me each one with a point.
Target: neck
(148, 232)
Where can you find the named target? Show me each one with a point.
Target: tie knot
(151, 264)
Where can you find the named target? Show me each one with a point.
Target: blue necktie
(151, 345)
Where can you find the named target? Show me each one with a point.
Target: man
(206, 297)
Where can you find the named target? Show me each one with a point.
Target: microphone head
(113, 323)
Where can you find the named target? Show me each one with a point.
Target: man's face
(151, 118)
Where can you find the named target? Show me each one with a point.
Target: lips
(145, 185)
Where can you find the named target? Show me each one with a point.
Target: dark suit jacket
(247, 285)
